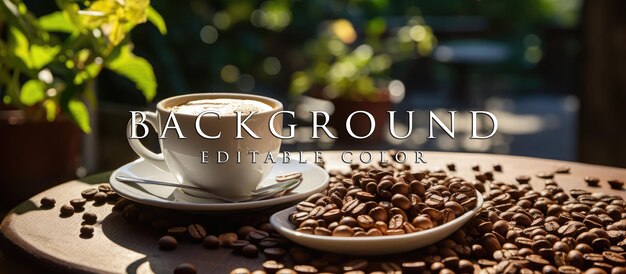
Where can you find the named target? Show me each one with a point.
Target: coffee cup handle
(158, 160)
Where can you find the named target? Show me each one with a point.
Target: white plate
(375, 245)
(314, 179)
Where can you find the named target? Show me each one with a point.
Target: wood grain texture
(47, 241)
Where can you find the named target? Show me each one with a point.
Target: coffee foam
(223, 107)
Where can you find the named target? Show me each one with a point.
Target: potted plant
(353, 72)
(48, 66)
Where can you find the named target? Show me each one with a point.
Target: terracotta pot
(36, 155)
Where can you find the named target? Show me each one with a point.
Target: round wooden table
(40, 241)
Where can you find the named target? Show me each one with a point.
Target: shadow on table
(139, 227)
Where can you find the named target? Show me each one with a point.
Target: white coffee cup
(182, 157)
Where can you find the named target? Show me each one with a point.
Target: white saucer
(315, 179)
(373, 245)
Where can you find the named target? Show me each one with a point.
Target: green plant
(344, 65)
(48, 64)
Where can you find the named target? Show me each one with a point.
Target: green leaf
(33, 56)
(57, 21)
(157, 20)
(32, 92)
(41, 55)
(51, 109)
(136, 69)
(78, 110)
(18, 44)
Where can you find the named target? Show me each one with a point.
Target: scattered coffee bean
(90, 218)
(545, 175)
(89, 193)
(257, 235)
(177, 231)
(86, 230)
(523, 179)
(67, 210)
(592, 181)
(196, 232)
(104, 188)
(272, 266)
(250, 251)
(167, 243)
(274, 253)
(185, 268)
(243, 231)
(562, 169)
(78, 203)
(616, 184)
(47, 202)
(211, 242)
(241, 270)
(304, 269)
(226, 239)
(100, 198)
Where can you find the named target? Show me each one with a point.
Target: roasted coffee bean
(322, 231)
(274, 253)
(451, 166)
(523, 179)
(614, 258)
(343, 231)
(240, 270)
(89, 193)
(67, 210)
(185, 268)
(243, 231)
(422, 222)
(303, 269)
(196, 232)
(257, 236)
(250, 251)
(167, 242)
(47, 202)
(78, 203)
(545, 175)
(86, 230)
(211, 242)
(238, 245)
(402, 202)
(90, 218)
(616, 184)
(226, 239)
(272, 266)
(100, 197)
(305, 206)
(177, 231)
(592, 181)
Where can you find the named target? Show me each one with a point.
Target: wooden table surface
(42, 240)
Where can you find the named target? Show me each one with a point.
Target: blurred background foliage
(259, 45)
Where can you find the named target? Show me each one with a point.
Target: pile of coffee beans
(518, 229)
(384, 201)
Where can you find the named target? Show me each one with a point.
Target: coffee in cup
(193, 127)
